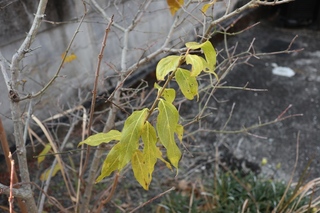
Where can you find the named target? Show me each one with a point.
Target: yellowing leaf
(209, 52)
(45, 175)
(111, 163)
(151, 151)
(174, 5)
(121, 154)
(167, 121)
(139, 169)
(68, 58)
(179, 131)
(197, 64)
(97, 139)
(206, 6)
(131, 133)
(169, 94)
(42, 154)
(187, 83)
(167, 65)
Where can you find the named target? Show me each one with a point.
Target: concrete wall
(76, 78)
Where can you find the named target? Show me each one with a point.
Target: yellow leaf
(174, 5)
(169, 94)
(264, 161)
(140, 170)
(121, 154)
(187, 83)
(197, 64)
(45, 151)
(131, 133)
(206, 6)
(45, 175)
(167, 121)
(97, 139)
(209, 52)
(167, 65)
(111, 163)
(151, 151)
(68, 58)
(179, 131)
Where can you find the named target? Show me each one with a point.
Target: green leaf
(167, 65)
(43, 153)
(131, 133)
(209, 52)
(169, 94)
(140, 170)
(97, 139)
(187, 83)
(167, 121)
(197, 64)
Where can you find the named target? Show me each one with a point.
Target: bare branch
(95, 163)
(62, 61)
(250, 4)
(4, 65)
(15, 105)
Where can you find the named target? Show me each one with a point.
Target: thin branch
(250, 4)
(152, 199)
(20, 192)
(105, 16)
(111, 193)
(6, 151)
(246, 129)
(25, 47)
(98, 153)
(62, 61)
(16, 108)
(55, 161)
(96, 80)
(5, 65)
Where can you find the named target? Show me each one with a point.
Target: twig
(55, 161)
(4, 64)
(152, 199)
(230, 115)
(84, 126)
(291, 178)
(11, 197)
(284, 112)
(29, 96)
(98, 153)
(15, 104)
(245, 129)
(94, 91)
(21, 193)
(247, 6)
(111, 193)
(6, 151)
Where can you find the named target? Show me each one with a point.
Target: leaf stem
(171, 76)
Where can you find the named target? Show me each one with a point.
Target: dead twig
(152, 199)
